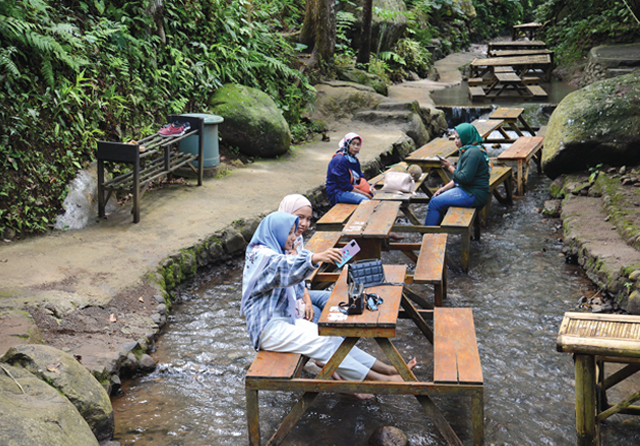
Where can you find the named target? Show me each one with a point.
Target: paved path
(91, 266)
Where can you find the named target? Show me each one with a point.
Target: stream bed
(519, 287)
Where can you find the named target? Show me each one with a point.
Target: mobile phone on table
(350, 250)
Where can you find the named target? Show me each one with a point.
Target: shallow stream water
(519, 287)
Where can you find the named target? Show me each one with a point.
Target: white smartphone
(350, 250)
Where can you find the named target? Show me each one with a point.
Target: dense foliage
(76, 71)
(575, 26)
(73, 72)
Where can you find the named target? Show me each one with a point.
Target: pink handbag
(398, 182)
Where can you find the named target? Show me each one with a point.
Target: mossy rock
(62, 372)
(252, 121)
(32, 413)
(598, 124)
(362, 77)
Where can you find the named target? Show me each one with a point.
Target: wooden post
(253, 417)
(586, 400)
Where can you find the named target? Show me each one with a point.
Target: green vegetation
(76, 71)
(573, 27)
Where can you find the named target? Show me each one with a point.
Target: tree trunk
(319, 29)
(364, 54)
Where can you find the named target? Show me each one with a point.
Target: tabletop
(381, 323)
(444, 147)
(372, 219)
(506, 113)
(487, 126)
(541, 59)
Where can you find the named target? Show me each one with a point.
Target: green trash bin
(210, 141)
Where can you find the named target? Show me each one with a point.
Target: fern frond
(47, 72)
(7, 62)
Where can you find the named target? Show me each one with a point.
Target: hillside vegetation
(74, 72)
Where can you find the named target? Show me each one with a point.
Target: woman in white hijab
(300, 206)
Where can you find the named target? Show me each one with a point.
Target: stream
(519, 287)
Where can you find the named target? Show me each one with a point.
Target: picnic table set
(457, 367)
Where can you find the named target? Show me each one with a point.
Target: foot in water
(395, 236)
(336, 377)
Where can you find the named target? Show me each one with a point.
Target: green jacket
(472, 175)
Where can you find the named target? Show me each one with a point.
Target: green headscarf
(469, 136)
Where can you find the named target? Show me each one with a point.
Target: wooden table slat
(338, 214)
(444, 147)
(322, 240)
(455, 346)
(458, 217)
(430, 263)
(274, 365)
(507, 113)
(372, 219)
(523, 148)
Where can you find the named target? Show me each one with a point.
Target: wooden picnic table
(527, 30)
(456, 365)
(595, 339)
(479, 67)
(511, 117)
(427, 158)
(522, 151)
(370, 226)
(516, 45)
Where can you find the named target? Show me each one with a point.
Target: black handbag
(368, 272)
(355, 304)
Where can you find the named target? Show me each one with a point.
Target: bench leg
(477, 416)
(520, 180)
(253, 417)
(439, 420)
(136, 193)
(585, 400)
(101, 200)
(466, 245)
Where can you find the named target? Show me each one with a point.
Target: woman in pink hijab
(300, 206)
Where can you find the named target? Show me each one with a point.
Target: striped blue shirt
(268, 295)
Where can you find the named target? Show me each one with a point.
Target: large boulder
(32, 413)
(386, 28)
(252, 121)
(407, 115)
(598, 124)
(351, 74)
(341, 100)
(62, 372)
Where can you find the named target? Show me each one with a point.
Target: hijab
(469, 137)
(343, 146)
(272, 233)
(293, 202)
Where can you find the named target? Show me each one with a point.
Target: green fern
(7, 63)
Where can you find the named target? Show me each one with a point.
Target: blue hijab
(273, 231)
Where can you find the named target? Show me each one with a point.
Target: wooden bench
(500, 175)
(336, 217)
(503, 69)
(150, 158)
(476, 92)
(460, 221)
(512, 117)
(456, 359)
(537, 91)
(431, 267)
(521, 152)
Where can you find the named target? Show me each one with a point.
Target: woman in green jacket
(470, 184)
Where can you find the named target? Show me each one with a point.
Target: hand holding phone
(350, 250)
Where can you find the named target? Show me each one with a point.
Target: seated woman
(300, 206)
(470, 184)
(345, 182)
(273, 280)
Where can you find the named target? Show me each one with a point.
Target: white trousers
(280, 335)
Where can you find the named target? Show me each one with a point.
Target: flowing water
(519, 287)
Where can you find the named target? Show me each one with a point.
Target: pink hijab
(293, 202)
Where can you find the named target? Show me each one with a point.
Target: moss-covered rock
(339, 99)
(61, 371)
(32, 413)
(362, 77)
(252, 121)
(598, 124)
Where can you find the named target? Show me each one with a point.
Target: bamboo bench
(150, 158)
(521, 152)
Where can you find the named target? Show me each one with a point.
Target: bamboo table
(595, 339)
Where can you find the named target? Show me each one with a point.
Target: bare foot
(411, 364)
(336, 377)
(395, 236)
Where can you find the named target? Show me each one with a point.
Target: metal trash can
(210, 142)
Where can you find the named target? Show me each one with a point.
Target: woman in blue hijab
(271, 283)
(470, 184)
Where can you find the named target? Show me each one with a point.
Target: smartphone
(350, 250)
(439, 157)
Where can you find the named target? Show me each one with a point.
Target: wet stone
(388, 436)
(147, 363)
